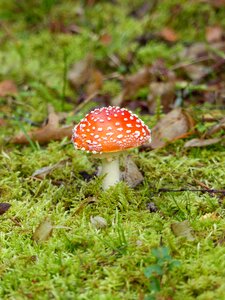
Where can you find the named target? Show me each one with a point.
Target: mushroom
(106, 132)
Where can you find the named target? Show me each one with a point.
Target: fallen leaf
(7, 88)
(132, 176)
(51, 131)
(216, 128)
(168, 34)
(173, 126)
(183, 229)
(197, 72)
(80, 72)
(95, 82)
(98, 222)
(43, 231)
(202, 142)
(165, 91)
(134, 82)
(214, 34)
(41, 173)
(4, 207)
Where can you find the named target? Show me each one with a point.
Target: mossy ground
(78, 261)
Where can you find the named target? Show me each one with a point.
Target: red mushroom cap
(110, 129)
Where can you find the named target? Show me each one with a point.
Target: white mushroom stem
(110, 170)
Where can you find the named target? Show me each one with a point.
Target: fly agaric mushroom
(106, 132)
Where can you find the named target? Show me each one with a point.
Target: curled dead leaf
(51, 131)
(175, 125)
(202, 142)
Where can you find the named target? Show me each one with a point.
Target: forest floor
(61, 236)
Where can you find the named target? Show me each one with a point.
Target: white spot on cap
(129, 125)
(109, 133)
(99, 129)
(131, 117)
(96, 136)
(120, 129)
(125, 119)
(117, 123)
(120, 136)
(109, 118)
(101, 121)
(137, 133)
(128, 131)
(109, 128)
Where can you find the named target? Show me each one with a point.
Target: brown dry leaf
(183, 229)
(202, 142)
(80, 72)
(197, 72)
(51, 131)
(168, 34)
(132, 175)
(4, 207)
(216, 128)
(43, 231)
(41, 173)
(175, 125)
(95, 83)
(136, 81)
(7, 88)
(163, 90)
(214, 34)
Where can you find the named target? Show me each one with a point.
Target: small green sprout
(164, 263)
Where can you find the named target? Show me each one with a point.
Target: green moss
(79, 261)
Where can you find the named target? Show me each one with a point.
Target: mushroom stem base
(111, 171)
